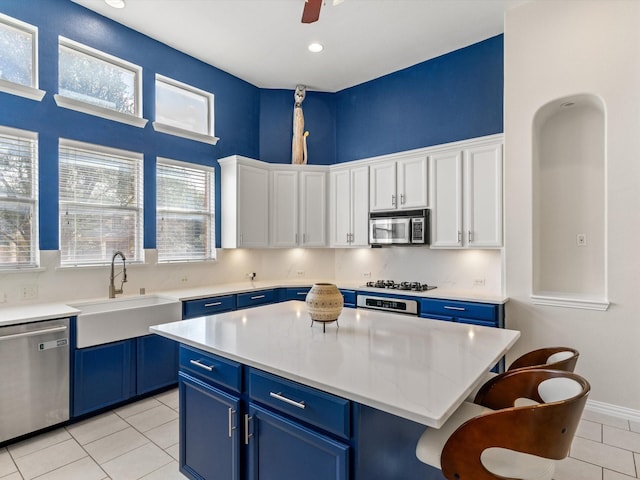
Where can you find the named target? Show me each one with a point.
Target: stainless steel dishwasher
(34, 376)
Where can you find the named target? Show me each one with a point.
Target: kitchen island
(380, 373)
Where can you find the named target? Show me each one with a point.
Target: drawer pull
(231, 427)
(257, 297)
(284, 399)
(247, 435)
(461, 309)
(302, 293)
(214, 304)
(197, 363)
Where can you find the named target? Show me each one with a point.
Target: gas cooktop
(410, 286)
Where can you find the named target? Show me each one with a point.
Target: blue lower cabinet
(208, 306)
(298, 293)
(281, 449)
(157, 363)
(259, 297)
(209, 431)
(349, 297)
(103, 375)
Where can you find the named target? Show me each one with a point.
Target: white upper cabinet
(245, 203)
(483, 201)
(446, 199)
(399, 184)
(298, 208)
(349, 207)
(466, 197)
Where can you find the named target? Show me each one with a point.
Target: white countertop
(35, 313)
(47, 311)
(415, 368)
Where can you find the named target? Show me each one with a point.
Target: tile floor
(137, 441)
(140, 441)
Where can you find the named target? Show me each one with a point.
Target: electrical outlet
(250, 275)
(300, 273)
(184, 279)
(29, 292)
(366, 274)
(479, 282)
(581, 240)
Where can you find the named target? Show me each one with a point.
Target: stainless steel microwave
(410, 227)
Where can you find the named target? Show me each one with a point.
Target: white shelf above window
(570, 300)
(21, 90)
(84, 107)
(180, 132)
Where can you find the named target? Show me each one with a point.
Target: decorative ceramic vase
(324, 302)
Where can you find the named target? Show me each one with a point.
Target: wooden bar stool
(554, 358)
(495, 440)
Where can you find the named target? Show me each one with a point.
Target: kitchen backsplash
(458, 269)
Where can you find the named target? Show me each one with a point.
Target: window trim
(212, 210)
(210, 137)
(84, 107)
(32, 91)
(35, 230)
(103, 149)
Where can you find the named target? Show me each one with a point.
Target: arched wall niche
(569, 203)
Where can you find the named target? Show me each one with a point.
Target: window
(100, 204)
(19, 59)
(183, 110)
(93, 82)
(18, 198)
(185, 212)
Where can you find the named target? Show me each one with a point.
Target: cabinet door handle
(231, 427)
(402, 199)
(470, 236)
(214, 304)
(257, 297)
(197, 363)
(393, 200)
(282, 398)
(247, 435)
(296, 238)
(459, 236)
(460, 309)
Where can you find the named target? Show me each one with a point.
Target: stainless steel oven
(396, 305)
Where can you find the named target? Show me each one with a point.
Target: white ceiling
(264, 42)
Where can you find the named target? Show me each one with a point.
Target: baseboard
(613, 410)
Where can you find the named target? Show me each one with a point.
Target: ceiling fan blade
(311, 12)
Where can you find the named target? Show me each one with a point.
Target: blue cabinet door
(157, 361)
(103, 375)
(209, 431)
(281, 449)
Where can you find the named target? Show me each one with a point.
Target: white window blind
(100, 204)
(18, 198)
(185, 212)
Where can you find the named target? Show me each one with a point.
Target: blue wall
(452, 97)
(449, 98)
(237, 105)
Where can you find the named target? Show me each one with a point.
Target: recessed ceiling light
(115, 3)
(315, 47)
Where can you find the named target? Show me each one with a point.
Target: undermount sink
(115, 319)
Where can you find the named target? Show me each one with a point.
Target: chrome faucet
(112, 286)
